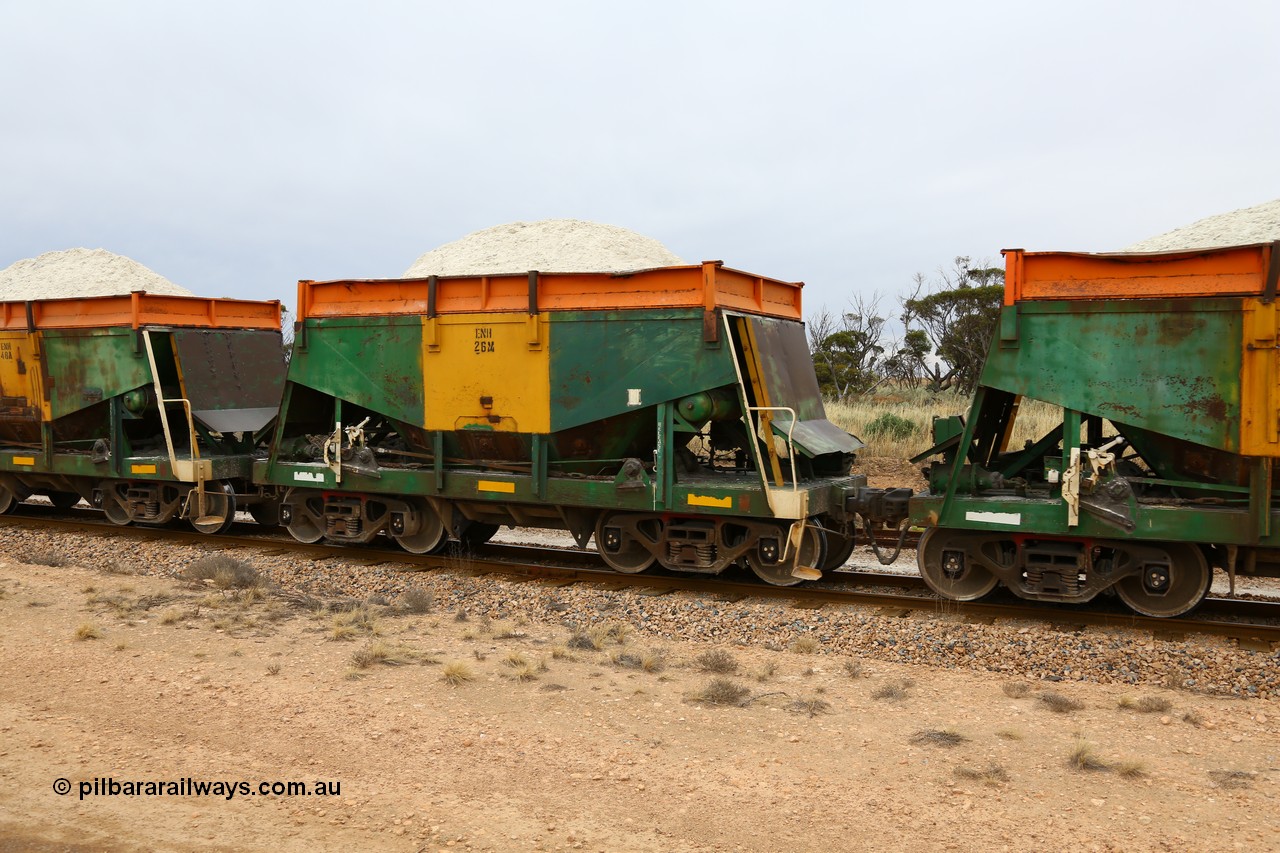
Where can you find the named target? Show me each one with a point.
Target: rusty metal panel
(233, 377)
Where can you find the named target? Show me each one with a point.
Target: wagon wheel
(219, 508)
(619, 548)
(8, 500)
(431, 536)
(63, 500)
(839, 550)
(813, 553)
(302, 522)
(948, 569)
(1157, 591)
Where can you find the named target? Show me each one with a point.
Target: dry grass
(1232, 778)
(1016, 689)
(349, 624)
(717, 661)
(853, 668)
(1009, 734)
(525, 672)
(1083, 757)
(46, 558)
(919, 407)
(416, 601)
(515, 660)
(651, 660)
(893, 691)
(812, 706)
(378, 652)
(88, 631)
(562, 653)
(585, 641)
(766, 672)
(722, 692)
(225, 572)
(1058, 703)
(1131, 769)
(273, 669)
(992, 774)
(939, 737)
(804, 645)
(1194, 718)
(1145, 705)
(456, 673)
(171, 616)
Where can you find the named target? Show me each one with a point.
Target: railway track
(1252, 623)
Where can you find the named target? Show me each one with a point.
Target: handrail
(791, 450)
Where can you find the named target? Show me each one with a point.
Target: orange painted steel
(140, 309)
(707, 286)
(1234, 271)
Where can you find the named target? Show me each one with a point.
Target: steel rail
(1213, 617)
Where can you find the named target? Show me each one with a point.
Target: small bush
(87, 631)
(812, 706)
(1016, 689)
(1194, 718)
(766, 672)
(992, 774)
(1131, 769)
(225, 572)
(1232, 778)
(456, 673)
(375, 653)
(717, 661)
(1083, 757)
(1058, 703)
(804, 645)
(584, 641)
(416, 601)
(515, 660)
(892, 690)
(46, 558)
(853, 668)
(891, 426)
(939, 737)
(1145, 705)
(722, 692)
(273, 669)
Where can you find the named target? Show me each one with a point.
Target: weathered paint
(725, 502)
(489, 370)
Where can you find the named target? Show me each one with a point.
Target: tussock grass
(810, 705)
(416, 601)
(721, 692)
(171, 616)
(1194, 718)
(88, 631)
(506, 631)
(766, 672)
(1016, 689)
(992, 774)
(716, 661)
(853, 668)
(804, 645)
(939, 737)
(1145, 705)
(225, 572)
(1058, 703)
(893, 691)
(562, 653)
(273, 669)
(1130, 769)
(918, 408)
(1009, 734)
(46, 558)
(379, 651)
(349, 624)
(1084, 757)
(1232, 778)
(515, 660)
(585, 641)
(456, 673)
(652, 660)
(524, 672)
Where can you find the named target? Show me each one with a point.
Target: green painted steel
(83, 368)
(376, 361)
(1168, 366)
(599, 358)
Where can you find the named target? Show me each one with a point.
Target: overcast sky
(235, 147)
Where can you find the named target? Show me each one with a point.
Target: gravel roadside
(1017, 648)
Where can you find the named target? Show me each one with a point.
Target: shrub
(225, 572)
(718, 661)
(722, 692)
(891, 426)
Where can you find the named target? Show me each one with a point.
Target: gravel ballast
(1032, 650)
(81, 272)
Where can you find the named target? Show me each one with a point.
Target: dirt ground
(549, 747)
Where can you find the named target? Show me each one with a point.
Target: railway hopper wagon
(1166, 372)
(672, 414)
(149, 407)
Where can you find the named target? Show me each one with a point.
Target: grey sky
(235, 147)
